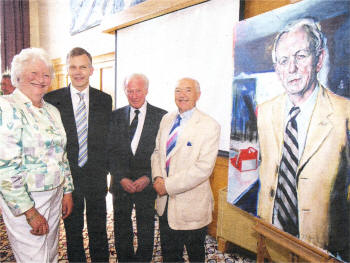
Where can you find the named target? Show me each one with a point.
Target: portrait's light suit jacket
(322, 176)
(190, 199)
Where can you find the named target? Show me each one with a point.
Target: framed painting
(289, 144)
(89, 13)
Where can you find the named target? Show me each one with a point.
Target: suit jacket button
(272, 193)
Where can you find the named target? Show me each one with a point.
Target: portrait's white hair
(313, 29)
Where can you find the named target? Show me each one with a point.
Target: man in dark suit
(85, 114)
(133, 132)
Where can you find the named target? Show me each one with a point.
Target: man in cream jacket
(182, 162)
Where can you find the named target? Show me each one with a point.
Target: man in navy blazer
(90, 179)
(131, 145)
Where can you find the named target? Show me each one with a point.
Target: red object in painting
(246, 159)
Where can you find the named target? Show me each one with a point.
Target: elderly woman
(35, 179)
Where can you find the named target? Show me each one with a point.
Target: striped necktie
(286, 202)
(133, 125)
(172, 140)
(82, 130)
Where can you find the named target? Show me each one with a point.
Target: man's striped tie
(286, 202)
(133, 125)
(172, 141)
(82, 130)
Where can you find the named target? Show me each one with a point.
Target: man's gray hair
(196, 83)
(313, 29)
(24, 58)
(136, 75)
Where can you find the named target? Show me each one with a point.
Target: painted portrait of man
(302, 121)
(89, 13)
(303, 135)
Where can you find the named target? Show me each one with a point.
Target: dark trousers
(96, 217)
(123, 231)
(173, 242)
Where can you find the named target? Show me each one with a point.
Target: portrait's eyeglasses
(299, 58)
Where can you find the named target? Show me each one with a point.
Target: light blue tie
(82, 130)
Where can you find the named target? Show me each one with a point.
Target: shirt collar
(187, 114)
(309, 103)
(142, 109)
(76, 91)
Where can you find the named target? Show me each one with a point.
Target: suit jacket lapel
(68, 114)
(92, 106)
(127, 116)
(278, 126)
(319, 127)
(165, 133)
(147, 127)
(125, 131)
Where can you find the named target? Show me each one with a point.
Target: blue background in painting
(243, 123)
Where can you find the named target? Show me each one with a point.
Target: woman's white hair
(25, 57)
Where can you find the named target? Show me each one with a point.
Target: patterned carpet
(212, 254)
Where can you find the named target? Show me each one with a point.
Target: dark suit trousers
(123, 204)
(96, 216)
(173, 242)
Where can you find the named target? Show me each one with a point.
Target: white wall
(193, 42)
